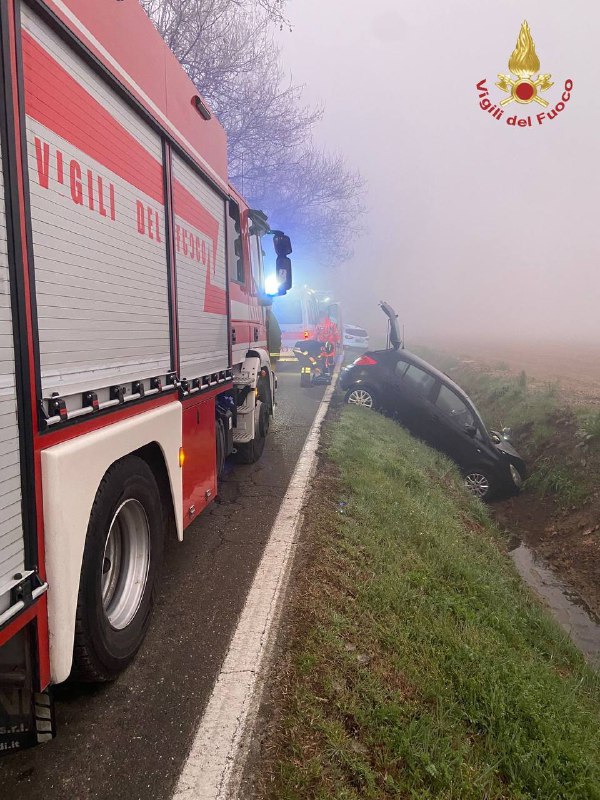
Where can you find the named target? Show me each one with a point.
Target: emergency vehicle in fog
(132, 337)
(298, 314)
(301, 314)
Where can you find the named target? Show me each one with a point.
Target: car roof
(441, 376)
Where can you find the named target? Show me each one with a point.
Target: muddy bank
(579, 623)
(560, 520)
(567, 539)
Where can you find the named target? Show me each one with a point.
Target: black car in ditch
(433, 408)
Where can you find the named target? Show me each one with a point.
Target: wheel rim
(477, 484)
(125, 564)
(360, 397)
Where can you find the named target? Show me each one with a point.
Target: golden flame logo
(524, 63)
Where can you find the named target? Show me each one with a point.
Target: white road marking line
(215, 763)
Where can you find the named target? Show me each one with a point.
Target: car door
(381, 377)
(454, 426)
(413, 389)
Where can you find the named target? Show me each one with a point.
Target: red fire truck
(132, 337)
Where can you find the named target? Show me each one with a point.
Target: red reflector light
(365, 361)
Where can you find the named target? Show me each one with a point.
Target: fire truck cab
(133, 342)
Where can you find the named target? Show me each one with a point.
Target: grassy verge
(418, 665)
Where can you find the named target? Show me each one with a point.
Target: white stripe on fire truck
(244, 312)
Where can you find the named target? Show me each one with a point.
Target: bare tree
(318, 199)
(227, 48)
(203, 33)
(265, 117)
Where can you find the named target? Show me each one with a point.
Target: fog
(474, 228)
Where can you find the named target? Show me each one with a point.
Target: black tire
(264, 391)
(476, 480)
(128, 499)
(369, 398)
(250, 452)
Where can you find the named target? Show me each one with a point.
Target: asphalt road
(128, 739)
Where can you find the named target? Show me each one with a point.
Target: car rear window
(355, 332)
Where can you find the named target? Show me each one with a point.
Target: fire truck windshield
(288, 310)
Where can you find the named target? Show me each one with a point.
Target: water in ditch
(581, 626)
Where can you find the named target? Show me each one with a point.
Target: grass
(419, 666)
(589, 425)
(546, 431)
(550, 478)
(506, 400)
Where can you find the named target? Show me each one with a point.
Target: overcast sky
(473, 226)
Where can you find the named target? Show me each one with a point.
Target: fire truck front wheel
(121, 561)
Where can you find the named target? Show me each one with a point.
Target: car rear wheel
(361, 396)
(479, 483)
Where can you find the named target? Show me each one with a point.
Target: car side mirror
(471, 430)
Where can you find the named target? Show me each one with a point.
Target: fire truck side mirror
(283, 266)
(282, 244)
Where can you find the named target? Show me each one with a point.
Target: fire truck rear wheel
(121, 561)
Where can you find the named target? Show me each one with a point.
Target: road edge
(214, 766)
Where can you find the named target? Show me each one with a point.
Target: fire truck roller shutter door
(201, 273)
(98, 223)
(12, 556)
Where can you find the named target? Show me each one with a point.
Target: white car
(356, 337)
